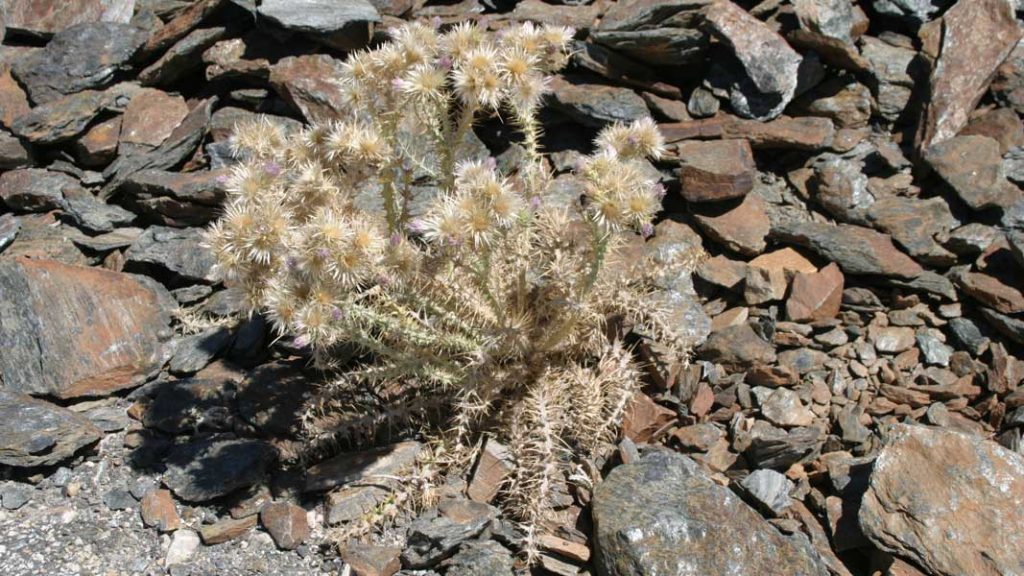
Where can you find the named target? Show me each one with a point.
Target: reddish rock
(46, 17)
(98, 146)
(370, 560)
(973, 168)
(35, 189)
(492, 468)
(702, 400)
(158, 511)
(737, 348)
(13, 101)
(226, 530)
(741, 228)
(716, 170)
(731, 317)
(991, 292)
(150, 118)
(816, 296)
(931, 487)
(179, 27)
(286, 523)
(69, 116)
(1001, 124)
(786, 259)
(645, 418)
(805, 133)
(307, 83)
(71, 331)
(977, 35)
(722, 271)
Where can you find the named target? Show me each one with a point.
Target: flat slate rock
(65, 118)
(69, 331)
(36, 433)
(176, 250)
(949, 502)
(207, 469)
(856, 249)
(46, 17)
(82, 57)
(664, 515)
(344, 24)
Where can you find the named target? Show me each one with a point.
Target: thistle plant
(462, 287)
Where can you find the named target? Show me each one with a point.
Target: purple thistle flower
(336, 313)
(435, 22)
(444, 62)
(292, 262)
(416, 226)
(395, 239)
(535, 203)
(223, 179)
(323, 253)
(491, 162)
(272, 168)
(647, 230)
(300, 342)
(659, 191)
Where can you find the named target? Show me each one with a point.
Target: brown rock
(179, 27)
(816, 296)
(286, 523)
(915, 224)
(786, 259)
(348, 468)
(1001, 124)
(700, 437)
(69, 116)
(712, 171)
(857, 250)
(764, 285)
(977, 35)
(306, 82)
(492, 468)
(930, 487)
(580, 17)
(973, 167)
(731, 317)
(737, 348)
(13, 101)
(565, 548)
(702, 400)
(370, 560)
(991, 292)
(71, 331)
(741, 228)
(158, 511)
(98, 146)
(226, 530)
(46, 17)
(721, 271)
(150, 118)
(645, 418)
(182, 58)
(891, 339)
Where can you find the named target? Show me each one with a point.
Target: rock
(486, 558)
(492, 469)
(88, 213)
(778, 449)
(432, 539)
(857, 250)
(182, 59)
(721, 271)
(737, 348)
(173, 250)
(46, 17)
(991, 292)
(273, 398)
(787, 260)
(935, 352)
(371, 560)
(847, 103)
(731, 317)
(226, 530)
(67, 117)
(150, 118)
(174, 198)
(183, 545)
(194, 352)
(715, 170)
(764, 285)
(891, 68)
(769, 489)
(98, 146)
(647, 512)
(349, 468)
(13, 152)
(42, 237)
(118, 499)
(1009, 326)
(741, 228)
(82, 57)
(344, 25)
(35, 189)
(14, 496)
(764, 78)
(816, 296)
(644, 418)
(206, 469)
(892, 339)
(977, 36)
(182, 406)
(931, 486)
(1001, 125)
(657, 32)
(832, 18)
(286, 523)
(36, 433)
(13, 101)
(158, 511)
(72, 332)
(918, 11)
(915, 224)
(595, 105)
(805, 133)
(782, 407)
(305, 83)
(702, 104)
(967, 334)
(841, 187)
(973, 167)
(188, 20)
(9, 227)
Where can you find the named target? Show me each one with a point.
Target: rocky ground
(852, 172)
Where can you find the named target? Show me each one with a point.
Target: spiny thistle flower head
(380, 231)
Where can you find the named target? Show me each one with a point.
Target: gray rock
(35, 189)
(918, 11)
(183, 545)
(173, 250)
(967, 334)
(934, 350)
(778, 449)
(66, 118)
(14, 496)
(656, 32)
(95, 215)
(207, 469)
(191, 294)
(108, 418)
(890, 70)
(82, 57)
(830, 18)
(702, 103)
(596, 105)
(487, 558)
(9, 227)
(118, 499)
(187, 405)
(763, 78)
(854, 432)
(1010, 326)
(195, 352)
(842, 188)
(345, 24)
(664, 515)
(37, 433)
(13, 152)
(857, 250)
(769, 489)
(928, 282)
(432, 539)
(115, 240)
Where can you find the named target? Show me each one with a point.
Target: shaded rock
(13, 152)
(182, 59)
(342, 25)
(194, 352)
(486, 558)
(973, 168)
(158, 511)
(596, 105)
(82, 57)
(1009, 326)
(991, 292)
(37, 433)
(931, 486)
(348, 468)
(769, 489)
(967, 335)
(45, 17)
(857, 250)
(185, 405)
(71, 331)
(647, 512)
(273, 398)
(741, 228)
(174, 250)
(286, 524)
(915, 224)
(206, 469)
(226, 530)
(35, 189)
(305, 82)
(176, 198)
(764, 79)
(665, 33)
(737, 348)
(891, 68)
(977, 36)
(847, 103)
(816, 296)
(189, 19)
(716, 170)
(702, 103)
(98, 146)
(432, 539)
(778, 449)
